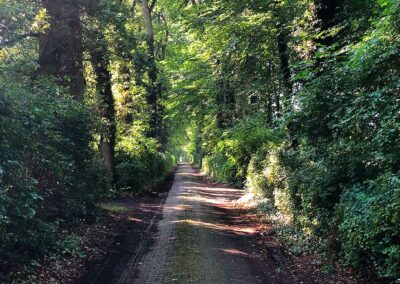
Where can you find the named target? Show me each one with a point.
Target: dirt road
(193, 243)
(191, 230)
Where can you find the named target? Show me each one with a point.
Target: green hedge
(139, 173)
(370, 225)
(48, 172)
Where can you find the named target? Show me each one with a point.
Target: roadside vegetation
(298, 102)
(80, 120)
(295, 101)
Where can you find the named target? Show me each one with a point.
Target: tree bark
(101, 64)
(226, 103)
(325, 19)
(60, 49)
(286, 103)
(325, 12)
(283, 51)
(149, 27)
(97, 48)
(155, 87)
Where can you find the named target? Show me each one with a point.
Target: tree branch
(18, 38)
(153, 4)
(134, 5)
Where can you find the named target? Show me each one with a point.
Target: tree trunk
(149, 27)
(325, 12)
(283, 49)
(97, 48)
(155, 87)
(60, 49)
(282, 40)
(103, 77)
(325, 19)
(226, 103)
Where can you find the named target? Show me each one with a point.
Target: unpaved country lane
(193, 244)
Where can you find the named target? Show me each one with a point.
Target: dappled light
(178, 208)
(235, 252)
(135, 219)
(217, 226)
(198, 141)
(196, 238)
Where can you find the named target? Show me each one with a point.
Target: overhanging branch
(17, 39)
(153, 4)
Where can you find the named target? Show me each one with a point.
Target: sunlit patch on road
(235, 252)
(217, 226)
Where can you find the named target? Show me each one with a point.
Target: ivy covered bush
(140, 164)
(43, 181)
(370, 224)
(229, 158)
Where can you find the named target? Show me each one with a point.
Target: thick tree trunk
(283, 51)
(149, 27)
(325, 14)
(104, 88)
(278, 108)
(286, 104)
(60, 49)
(282, 40)
(97, 48)
(325, 19)
(226, 104)
(155, 87)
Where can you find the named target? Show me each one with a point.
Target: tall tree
(154, 87)
(282, 20)
(325, 18)
(101, 63)
(60, 48)
(99, 55)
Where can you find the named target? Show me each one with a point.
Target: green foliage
(139, 170)
(48, 171)
(71, 245)
(52, 173)
(267, 177)
(299, 105)
(231, 155)
(322, 146)
(113, 207)
(23, 232)
(370, 224)
(41, 166)
(349, 150)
